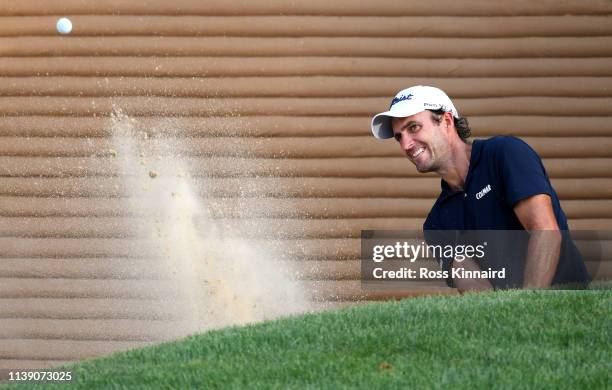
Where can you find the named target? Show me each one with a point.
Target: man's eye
(413, 128)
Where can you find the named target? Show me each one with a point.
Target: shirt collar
(474, 159)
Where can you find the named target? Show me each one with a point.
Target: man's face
(424, 141)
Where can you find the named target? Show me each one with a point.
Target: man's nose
(406, 142)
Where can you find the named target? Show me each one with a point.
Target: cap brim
(381, 123)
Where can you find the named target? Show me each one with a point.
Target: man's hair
(461, 124)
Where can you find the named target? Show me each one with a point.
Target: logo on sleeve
(483, 192)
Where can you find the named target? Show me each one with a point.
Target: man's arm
(537, 216)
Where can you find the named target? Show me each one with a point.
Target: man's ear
(448, 122)
(448, 119)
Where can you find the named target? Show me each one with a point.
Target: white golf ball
(64, 26)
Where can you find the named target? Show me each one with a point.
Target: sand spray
(222, 277)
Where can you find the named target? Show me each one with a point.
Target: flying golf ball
(64, 26)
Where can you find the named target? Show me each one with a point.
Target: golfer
(493, 184)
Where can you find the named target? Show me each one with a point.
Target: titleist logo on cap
(400, 98)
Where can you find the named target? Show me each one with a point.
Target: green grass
(511, 339)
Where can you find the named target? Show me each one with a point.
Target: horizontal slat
(303, 66)
(310, 86)
(10, 364)
(82, 308)
(107, 268)
(147, 106)
(283, 26)
(590, 224)
(86, 288)
(600, 270)
(273, 187)
(76, 268)
(88, 227)
(290, 126)
(40, 349)
(108, 330)
(357, 214)
(18, 166)
(295, 147)
(123, 248)
(25, 46)
(314, 7)
(319, 290)
(258, 207)
(323, 249)
(383, 208)
(103, 309)
(252, 228)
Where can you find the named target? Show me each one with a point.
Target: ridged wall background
(274, 103)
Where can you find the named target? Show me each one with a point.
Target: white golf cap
(408, 102)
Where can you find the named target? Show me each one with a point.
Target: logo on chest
(483, 192)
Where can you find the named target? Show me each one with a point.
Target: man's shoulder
(504, 142)
(506, 147)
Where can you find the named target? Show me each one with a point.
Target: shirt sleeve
(521, 171)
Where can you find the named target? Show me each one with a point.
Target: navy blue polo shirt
(503, 171)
